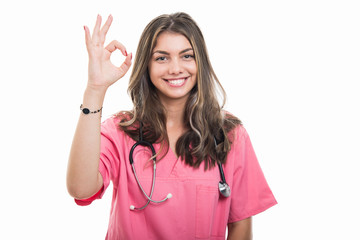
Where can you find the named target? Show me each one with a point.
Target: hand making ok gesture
(102, 72)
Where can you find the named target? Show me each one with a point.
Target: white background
(291, 71)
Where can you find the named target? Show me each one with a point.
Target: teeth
(177, 81)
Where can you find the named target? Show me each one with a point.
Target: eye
(162, 58)
(188, 56)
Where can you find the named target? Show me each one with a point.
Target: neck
(175, 124)
(175, 111)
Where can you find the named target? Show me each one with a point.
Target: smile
(176, 82)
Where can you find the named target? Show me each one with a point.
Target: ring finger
(96, 32)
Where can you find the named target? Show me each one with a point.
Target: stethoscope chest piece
(224, 189)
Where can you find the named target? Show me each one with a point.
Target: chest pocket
(210, 213)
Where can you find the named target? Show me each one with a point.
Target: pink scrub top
(196, 210)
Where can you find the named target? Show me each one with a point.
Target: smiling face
(172, 67)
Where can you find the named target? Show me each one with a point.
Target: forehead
(171, 42)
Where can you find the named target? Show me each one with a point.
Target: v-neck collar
(165, 166)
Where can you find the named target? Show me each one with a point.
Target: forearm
(241, 230)
(83, 178)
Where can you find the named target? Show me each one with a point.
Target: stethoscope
(224, 188)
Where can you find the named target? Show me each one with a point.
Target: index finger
(116, 45)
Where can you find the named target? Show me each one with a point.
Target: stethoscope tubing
(149, 199)
(152, 186)
(223, 186)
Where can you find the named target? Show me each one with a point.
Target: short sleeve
(250, 193)
(109, 159)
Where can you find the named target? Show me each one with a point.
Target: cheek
(157, 70)
(192, 68)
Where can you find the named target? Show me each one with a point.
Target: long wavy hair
(205, 119)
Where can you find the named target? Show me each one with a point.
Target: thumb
(125, 65)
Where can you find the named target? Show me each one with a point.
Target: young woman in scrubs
(173, 88)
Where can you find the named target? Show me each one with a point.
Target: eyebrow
(166, 53)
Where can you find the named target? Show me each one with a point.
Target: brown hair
(204, 117)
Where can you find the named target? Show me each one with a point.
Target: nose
(175, 66)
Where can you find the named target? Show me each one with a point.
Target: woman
(173, 89)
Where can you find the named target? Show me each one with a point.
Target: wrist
(93, 98)
(96, 90)
(87, 111)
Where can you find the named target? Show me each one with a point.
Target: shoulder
(230, 121)
(233, 126)
(228, 116)
(111, 122)
(240, 132)
(110, 126)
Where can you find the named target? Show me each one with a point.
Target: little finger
(87, 36)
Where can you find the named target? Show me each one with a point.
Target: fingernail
(126, 53)
(84, 28)
(130, 56)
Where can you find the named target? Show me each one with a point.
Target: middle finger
(105, 29)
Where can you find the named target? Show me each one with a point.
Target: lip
(176, 82)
